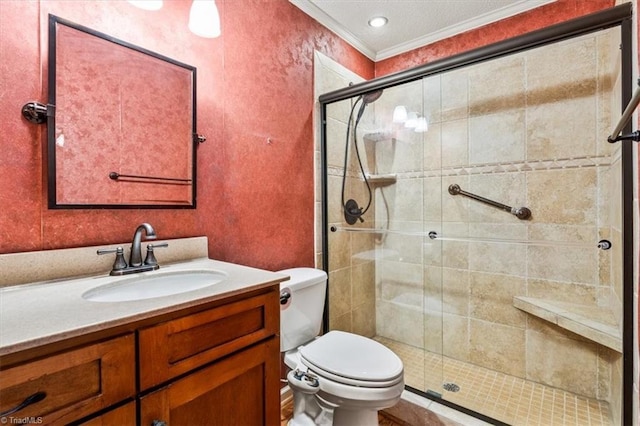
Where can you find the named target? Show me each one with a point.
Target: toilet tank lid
(303, 277)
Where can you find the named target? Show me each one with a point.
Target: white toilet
(338, 378)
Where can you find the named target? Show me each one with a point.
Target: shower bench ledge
(590, 321)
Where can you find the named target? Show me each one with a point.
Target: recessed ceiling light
(378, 21)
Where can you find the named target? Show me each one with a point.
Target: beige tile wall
(351, 267)
(526, 130)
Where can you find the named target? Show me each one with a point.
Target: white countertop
(35, 314)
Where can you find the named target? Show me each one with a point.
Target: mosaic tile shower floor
(506, 398)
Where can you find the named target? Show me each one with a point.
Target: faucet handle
(119, 263)
(151, 258)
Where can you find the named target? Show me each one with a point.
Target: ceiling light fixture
(204, 19)
(412, 120)
(378, 21)
(147, 4)
(422, 125)
(400, 114)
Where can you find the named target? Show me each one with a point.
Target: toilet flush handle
(310, 379)
(285, 295)
(303, 381)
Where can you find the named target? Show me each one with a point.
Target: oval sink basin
(156, 285)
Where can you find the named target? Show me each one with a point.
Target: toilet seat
(352, 360)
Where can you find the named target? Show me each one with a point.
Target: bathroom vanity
(208, 356)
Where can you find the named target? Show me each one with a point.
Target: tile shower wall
(351, 264)
(452, 107)
(528, 130)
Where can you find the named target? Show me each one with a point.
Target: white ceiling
(412, 23)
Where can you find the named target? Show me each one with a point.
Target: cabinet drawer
(175, 347)
(76, 383)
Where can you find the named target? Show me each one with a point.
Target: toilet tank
(301, 315)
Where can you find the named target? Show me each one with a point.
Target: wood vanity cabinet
(233, 391)
(240, 388)
(215, 365)
(76, 383)
(120, 416)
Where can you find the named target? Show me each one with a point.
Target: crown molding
(470, 24)
(334, 26)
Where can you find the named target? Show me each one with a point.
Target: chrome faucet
(136, 264)
(136, 245)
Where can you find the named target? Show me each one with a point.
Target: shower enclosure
(477, 222)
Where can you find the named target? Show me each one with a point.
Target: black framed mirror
(121, 123)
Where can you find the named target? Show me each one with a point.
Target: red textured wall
(553, 13)
(255, 201)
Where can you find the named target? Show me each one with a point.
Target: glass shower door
(408, 305)
(377, 257)
(482, 240)
(528, 131)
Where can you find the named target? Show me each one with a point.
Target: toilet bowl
(338, 378)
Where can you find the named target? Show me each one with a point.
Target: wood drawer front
(175, 347)
(242, 389)
(77, 382)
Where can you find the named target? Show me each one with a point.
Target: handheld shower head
(370, 97)
(353, 212)
(367, 99)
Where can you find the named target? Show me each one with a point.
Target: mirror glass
(123, 127)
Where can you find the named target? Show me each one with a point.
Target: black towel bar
(117, 176)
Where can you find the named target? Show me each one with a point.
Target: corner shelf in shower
(589, 321)
(379, 136)
(382, 180)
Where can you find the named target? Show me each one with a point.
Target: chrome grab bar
(521, 213)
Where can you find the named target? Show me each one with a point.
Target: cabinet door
(124, 416)
(69, 386)
(242, 389)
